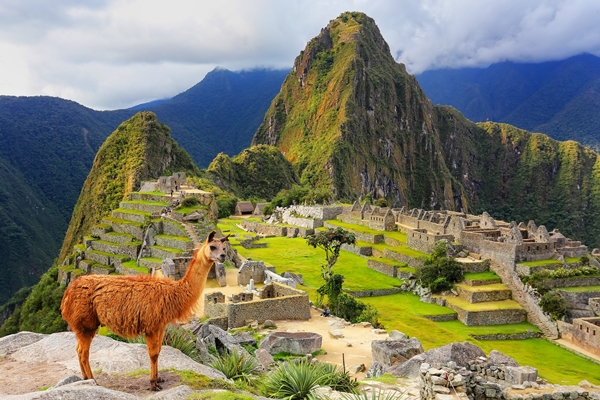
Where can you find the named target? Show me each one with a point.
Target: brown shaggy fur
(132, 305)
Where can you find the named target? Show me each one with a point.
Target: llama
(132, 305)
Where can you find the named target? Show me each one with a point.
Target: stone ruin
(274, 302)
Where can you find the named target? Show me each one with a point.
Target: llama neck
(195, 277)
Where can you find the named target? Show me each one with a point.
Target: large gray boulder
(11, 343)
(81, 390)
(293, 342)
(109, 355)
(497, 358)
(461, 353)
(392, 352)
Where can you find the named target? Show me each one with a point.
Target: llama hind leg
(154, 343)
(84, 340)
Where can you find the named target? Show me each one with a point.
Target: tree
(440, 272)
(330, 240)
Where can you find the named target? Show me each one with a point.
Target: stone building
(243, 208)
(276, 302)
(584, 332)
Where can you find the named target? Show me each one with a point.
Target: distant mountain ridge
(48, 144)
(558, 98)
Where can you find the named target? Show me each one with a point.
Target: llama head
(214, 248)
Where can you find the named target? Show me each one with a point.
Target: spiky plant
(236, 365)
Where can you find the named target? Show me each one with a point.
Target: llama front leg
(154, 344)
(84, 340)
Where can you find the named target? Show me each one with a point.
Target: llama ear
(211, 236)
(225, 239)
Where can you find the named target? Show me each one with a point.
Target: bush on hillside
(226, 203)
(189, 202)
(554, 304)
(439, 271)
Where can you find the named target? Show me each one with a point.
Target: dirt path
(353, 349)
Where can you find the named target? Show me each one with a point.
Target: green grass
(481, 276)
(578, 289)
(180, 238)
(136, 212)
(540, 263)
(485, 306)
(147, 202)
(132, 264)
(484, 288)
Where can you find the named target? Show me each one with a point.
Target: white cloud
(110, 54)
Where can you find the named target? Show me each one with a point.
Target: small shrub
(554, 304)
(440, 272)
(189, 202)
(236, 365)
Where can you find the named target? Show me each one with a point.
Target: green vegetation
(540, 263)
(439, 271)
(297, 380)
(134, 152)
(257, 172)
(481, 276)
(236, 365)
(41, 310)
(554, 304)
(581, 289)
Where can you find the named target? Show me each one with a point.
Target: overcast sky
(108, 54)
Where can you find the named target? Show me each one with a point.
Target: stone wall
(532, 251)
(264, 229)
(476, 296)
(408, 260)
(374, 293)
(579, 297)
(482, 380)
(572, 282)
(529, 334)
(490, 317)
(384, 268)
(137, 231)
(169, 227)
(594, 304)
(287, 306)
(364, 237)
(423, 241)
(318, 212)
(307, 223)
(364, 251)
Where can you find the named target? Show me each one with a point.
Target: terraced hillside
(136, 238)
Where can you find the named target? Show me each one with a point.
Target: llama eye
(213, 248)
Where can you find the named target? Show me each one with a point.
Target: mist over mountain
(558, 98)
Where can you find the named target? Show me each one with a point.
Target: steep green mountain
(221, 113)
(31, 231)
(140, 149)
(559, 98)
(257, 172)
(351, 119)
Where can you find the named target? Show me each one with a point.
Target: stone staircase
(535, 315)
(485, 303)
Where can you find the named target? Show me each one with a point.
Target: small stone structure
(276, 302)
(244, 208)
(251, 270)
(583, 332)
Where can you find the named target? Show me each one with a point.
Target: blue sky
(109, 54)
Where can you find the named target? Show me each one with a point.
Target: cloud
(116, 53)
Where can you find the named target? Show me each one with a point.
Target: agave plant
(236, 365)
(293, 380)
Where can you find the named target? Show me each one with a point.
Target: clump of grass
(236, 365)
